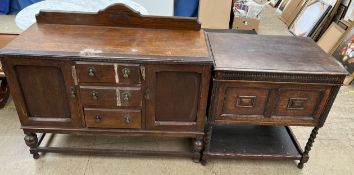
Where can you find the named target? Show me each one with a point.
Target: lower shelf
(114, 146)
(254, 142)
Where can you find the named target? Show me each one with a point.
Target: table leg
(207, 139)
(305, 156)
(4, 92)
(197, 149)
(31, 141)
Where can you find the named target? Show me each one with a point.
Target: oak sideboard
(114, 72)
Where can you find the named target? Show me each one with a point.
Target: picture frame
(274, 3)
(349, 14)
(282, 6)
(340, 13)
(291, 11)
(344, 53)
(303, 25)
(329, 40)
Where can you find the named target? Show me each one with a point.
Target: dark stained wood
(245, 101)
(102, 74)
(4, 92)
(112, 132)
(118, 15)
(46, 99)
(113, 43)
(31, 141)
(252, 141)
(46, 85)
(271, 54)
(111, 96)
(298, 103)
(95, 73)
(267, 80)
(272, 102)
(130, 74)
(113, 152)
(108, 118)
(177, 96)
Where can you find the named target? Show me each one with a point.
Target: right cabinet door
(176, 97)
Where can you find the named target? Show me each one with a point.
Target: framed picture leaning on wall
(309, 18)
(282, 6)
(345, 51)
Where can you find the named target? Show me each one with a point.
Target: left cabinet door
(43, 91)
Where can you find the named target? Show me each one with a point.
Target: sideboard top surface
(105, 41)
(276, 54)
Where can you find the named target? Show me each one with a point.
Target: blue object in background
(4, 7)
(186, 8)
(18, 5)
(14, 6)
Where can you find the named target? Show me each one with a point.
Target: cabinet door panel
(43, 91)
(39, 95)
(177, 97)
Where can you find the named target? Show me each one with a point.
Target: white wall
(157, 7)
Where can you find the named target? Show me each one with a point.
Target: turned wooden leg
(4, 92)
(207, 139)
(31, 140)
(305, 156)
(197, 149)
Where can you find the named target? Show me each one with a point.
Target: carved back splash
(118, 15)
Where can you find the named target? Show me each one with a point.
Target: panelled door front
(176, 96)
(44, 91)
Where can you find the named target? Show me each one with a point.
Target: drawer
(297, 102)
(111, 96)
(245, 101)
(108, 73)
(95, 73)
(110, 118)
(129, 74)
(271, 103)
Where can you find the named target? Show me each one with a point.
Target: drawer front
(111, 96)
(109, 73)
(245, 101)
(297, 103)
(95, 73)
(271, 103)
(129, 74)
(107, 118)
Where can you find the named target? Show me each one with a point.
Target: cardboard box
(215, 14)
(243, 23)
(331, 38)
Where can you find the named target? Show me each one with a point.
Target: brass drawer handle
(127, 118)
(91, 71)
(126, 96)
(94, 95)
(126, 72)
(98, 118)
